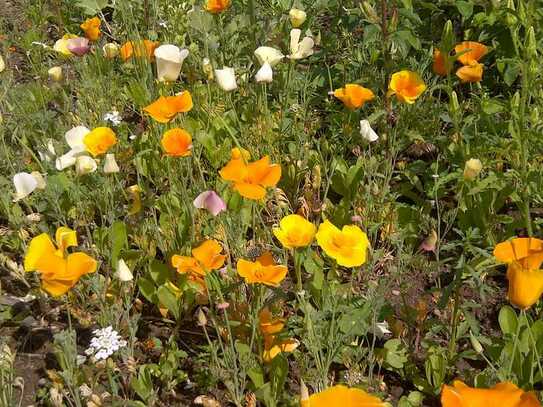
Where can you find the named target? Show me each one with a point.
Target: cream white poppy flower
(367, 132)
(300, 49)
(2, 64)
(123, 273)
(169, 60)
(25, 184)
(268, 54)
(226, 78)
(85, 165)
(55, 74)
(297, 17)
(110, 164)
(74, 137)
(264, 74)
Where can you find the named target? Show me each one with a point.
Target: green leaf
(465, 8)
(256, 374)
(91, 7)
(159, 272)
(508, 320)
(118, 241)
(169, 300)
(148, 289)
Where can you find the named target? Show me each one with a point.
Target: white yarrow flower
(104, 343)
(113, 117)
(367, 132)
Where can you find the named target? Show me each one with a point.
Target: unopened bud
(534, 116)
(515, 100)
(202, 319)
(111, 50)
(477, 347)
(510, 18)
(297, 17)
(207, 68)
(447, 38)
(453, 103)
(472, 169)
(531, 43)
(304, 394)
(316, 177)
(55, 74)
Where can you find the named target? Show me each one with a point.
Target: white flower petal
(268, 54)
(367, 132)
(169, 60)
(66, 160)
(264, 74)
(226, 78)
(74, 137)
(123, 273)
(39, 179)
(24, 184)
(85, 165)
(110, 164)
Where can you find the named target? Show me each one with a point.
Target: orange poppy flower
(205, 258)
(470, 73)
(165, 108)
(268, 324)
(217, 6)
(145, 48)
(263, 271)
(91, 27)
(270, 327)
(475, 51)
(341, 396)
(503, 394)
(99, 140)
(524, 256)
(177, 143)
(354, 96)
(251, 179)
(438, 65)
(59, 272)
(406, 85)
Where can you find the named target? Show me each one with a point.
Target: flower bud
(297, 17)
(85, 165)
(207, 68)
(447, 38)
(55, 74)
(304, 394)
(453, 103)
(110, 165)
(472, 169)
(515, 100)
(477, 347)
(531, 43)
(202, 319)
(510, 19)
(111, 50)
(534, 116)
(316, 177)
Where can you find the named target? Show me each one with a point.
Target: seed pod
(531, 43)
(475, 343)
(453, 103)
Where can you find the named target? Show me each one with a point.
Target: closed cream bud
(202, 319)
(2, 64)
(110, 164)
(297, 17)
(472, 169)
(85, 165)
(55, 74)
(208, 69)
(111, 50)
(477, 347)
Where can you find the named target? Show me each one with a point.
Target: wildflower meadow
(325, 203)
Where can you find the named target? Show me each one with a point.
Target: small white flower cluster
(105, 342)
(113, 117)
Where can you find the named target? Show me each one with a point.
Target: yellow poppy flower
(177, 143)
(165, 108)
(217, 6)
(354, 96)
(524, 257)
(135, 194)
(58, 272)
(470, 73)
(263, 271)
(251, 179)
(273, 347)
(475, 51)
(295, 231)
(91, 27)
(406, 85)
(99, 140)
(347, 246)
(503, 394)
(205, 258)
(342, 396)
